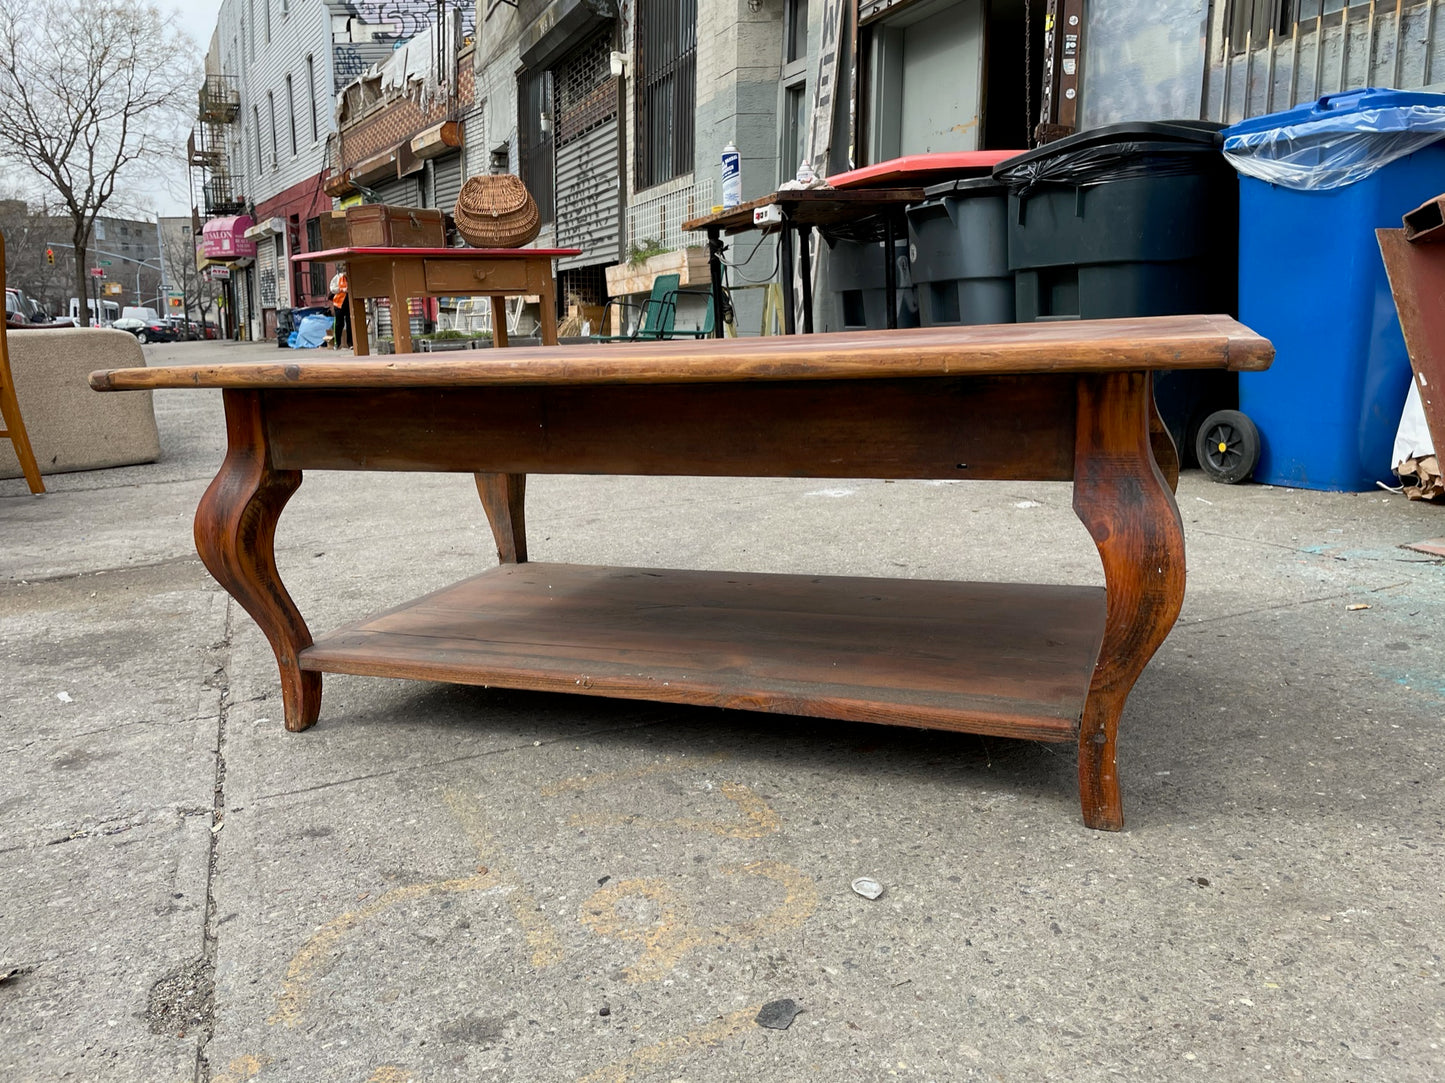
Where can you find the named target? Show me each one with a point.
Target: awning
(267, 227)
(562, 24)
(438, 139)
(225, 238)
(375, 168)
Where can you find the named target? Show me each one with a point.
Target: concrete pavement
(442, 883)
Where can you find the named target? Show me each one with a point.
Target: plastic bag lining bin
(1332, 143)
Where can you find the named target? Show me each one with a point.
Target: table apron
(957, 428)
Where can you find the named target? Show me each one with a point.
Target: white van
(109, 313)
(145, 315)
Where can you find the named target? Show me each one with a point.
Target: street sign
(97, 272)
(113, 287)
(103, 262)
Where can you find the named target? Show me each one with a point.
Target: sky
(197, 18)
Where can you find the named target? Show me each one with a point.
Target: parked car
(17, 301)
(14, 315)
(145, 330)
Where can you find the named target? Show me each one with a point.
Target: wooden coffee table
(1050, 402)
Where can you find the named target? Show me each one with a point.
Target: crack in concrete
(210, 935)
(1296, 604)
(526, 747)
(92, 573)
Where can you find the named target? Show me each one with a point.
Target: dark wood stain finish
(998, 427)
(1007, 659)
(235, 532)
(1054, 401)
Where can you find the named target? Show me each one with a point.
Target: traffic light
(50, 255)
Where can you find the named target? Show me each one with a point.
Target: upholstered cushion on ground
(70, 426)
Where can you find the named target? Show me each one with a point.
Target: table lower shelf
(997, 658)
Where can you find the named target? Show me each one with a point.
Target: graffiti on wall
(392, 22)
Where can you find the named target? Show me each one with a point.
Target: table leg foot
(1125, 502)
(235, 533)
(504, 500)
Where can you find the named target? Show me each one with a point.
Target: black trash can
(958, 248)
(1138, 219)
(857, 281)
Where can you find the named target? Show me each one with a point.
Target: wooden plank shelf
(1008, 659)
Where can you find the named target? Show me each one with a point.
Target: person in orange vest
(340, 309)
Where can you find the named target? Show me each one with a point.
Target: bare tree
(199, 292)
(92, 96)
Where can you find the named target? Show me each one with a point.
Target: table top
(333, 255)
(1082, 346)
(923, 169)
(809, 207)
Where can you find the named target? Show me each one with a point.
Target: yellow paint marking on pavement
(758, 818)
(495, 872)
(620, 912)
(591, 782)
(665, 1052)
(305, 962)
(390, 1073)
(542, 938)
(241, 1069)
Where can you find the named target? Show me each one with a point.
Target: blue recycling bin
(1315, 182)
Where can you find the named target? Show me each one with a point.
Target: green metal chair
(708, 320)
(658, 312)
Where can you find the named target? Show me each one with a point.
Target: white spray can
(732, 176)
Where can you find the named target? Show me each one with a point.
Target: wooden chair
(10, 406)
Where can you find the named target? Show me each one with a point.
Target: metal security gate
(588, 192)
(402, 192)
(446, 181)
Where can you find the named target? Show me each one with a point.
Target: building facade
(615, 113)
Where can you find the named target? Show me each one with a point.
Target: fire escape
(220, 101)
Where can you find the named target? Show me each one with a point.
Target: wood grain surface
(1155, 342)
(993, 427)
(1007, 659)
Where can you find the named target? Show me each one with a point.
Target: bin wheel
(1227, 446)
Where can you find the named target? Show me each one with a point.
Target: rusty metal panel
(1417, 280)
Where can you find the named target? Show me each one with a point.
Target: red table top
(918, 170)
(331, 255)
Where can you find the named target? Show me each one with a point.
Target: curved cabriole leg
(504, 500)
(1165, 453)
(1126, 503)
(235, 536)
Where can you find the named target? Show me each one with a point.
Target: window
(666, 87)
(311, 88)
(319, 281)
(256, 116)
(267, 5)
(275, 147)
(291, 111)
(793, 82)
(795, 31)
(534, 138)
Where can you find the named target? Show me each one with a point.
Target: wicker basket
(495, 210)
